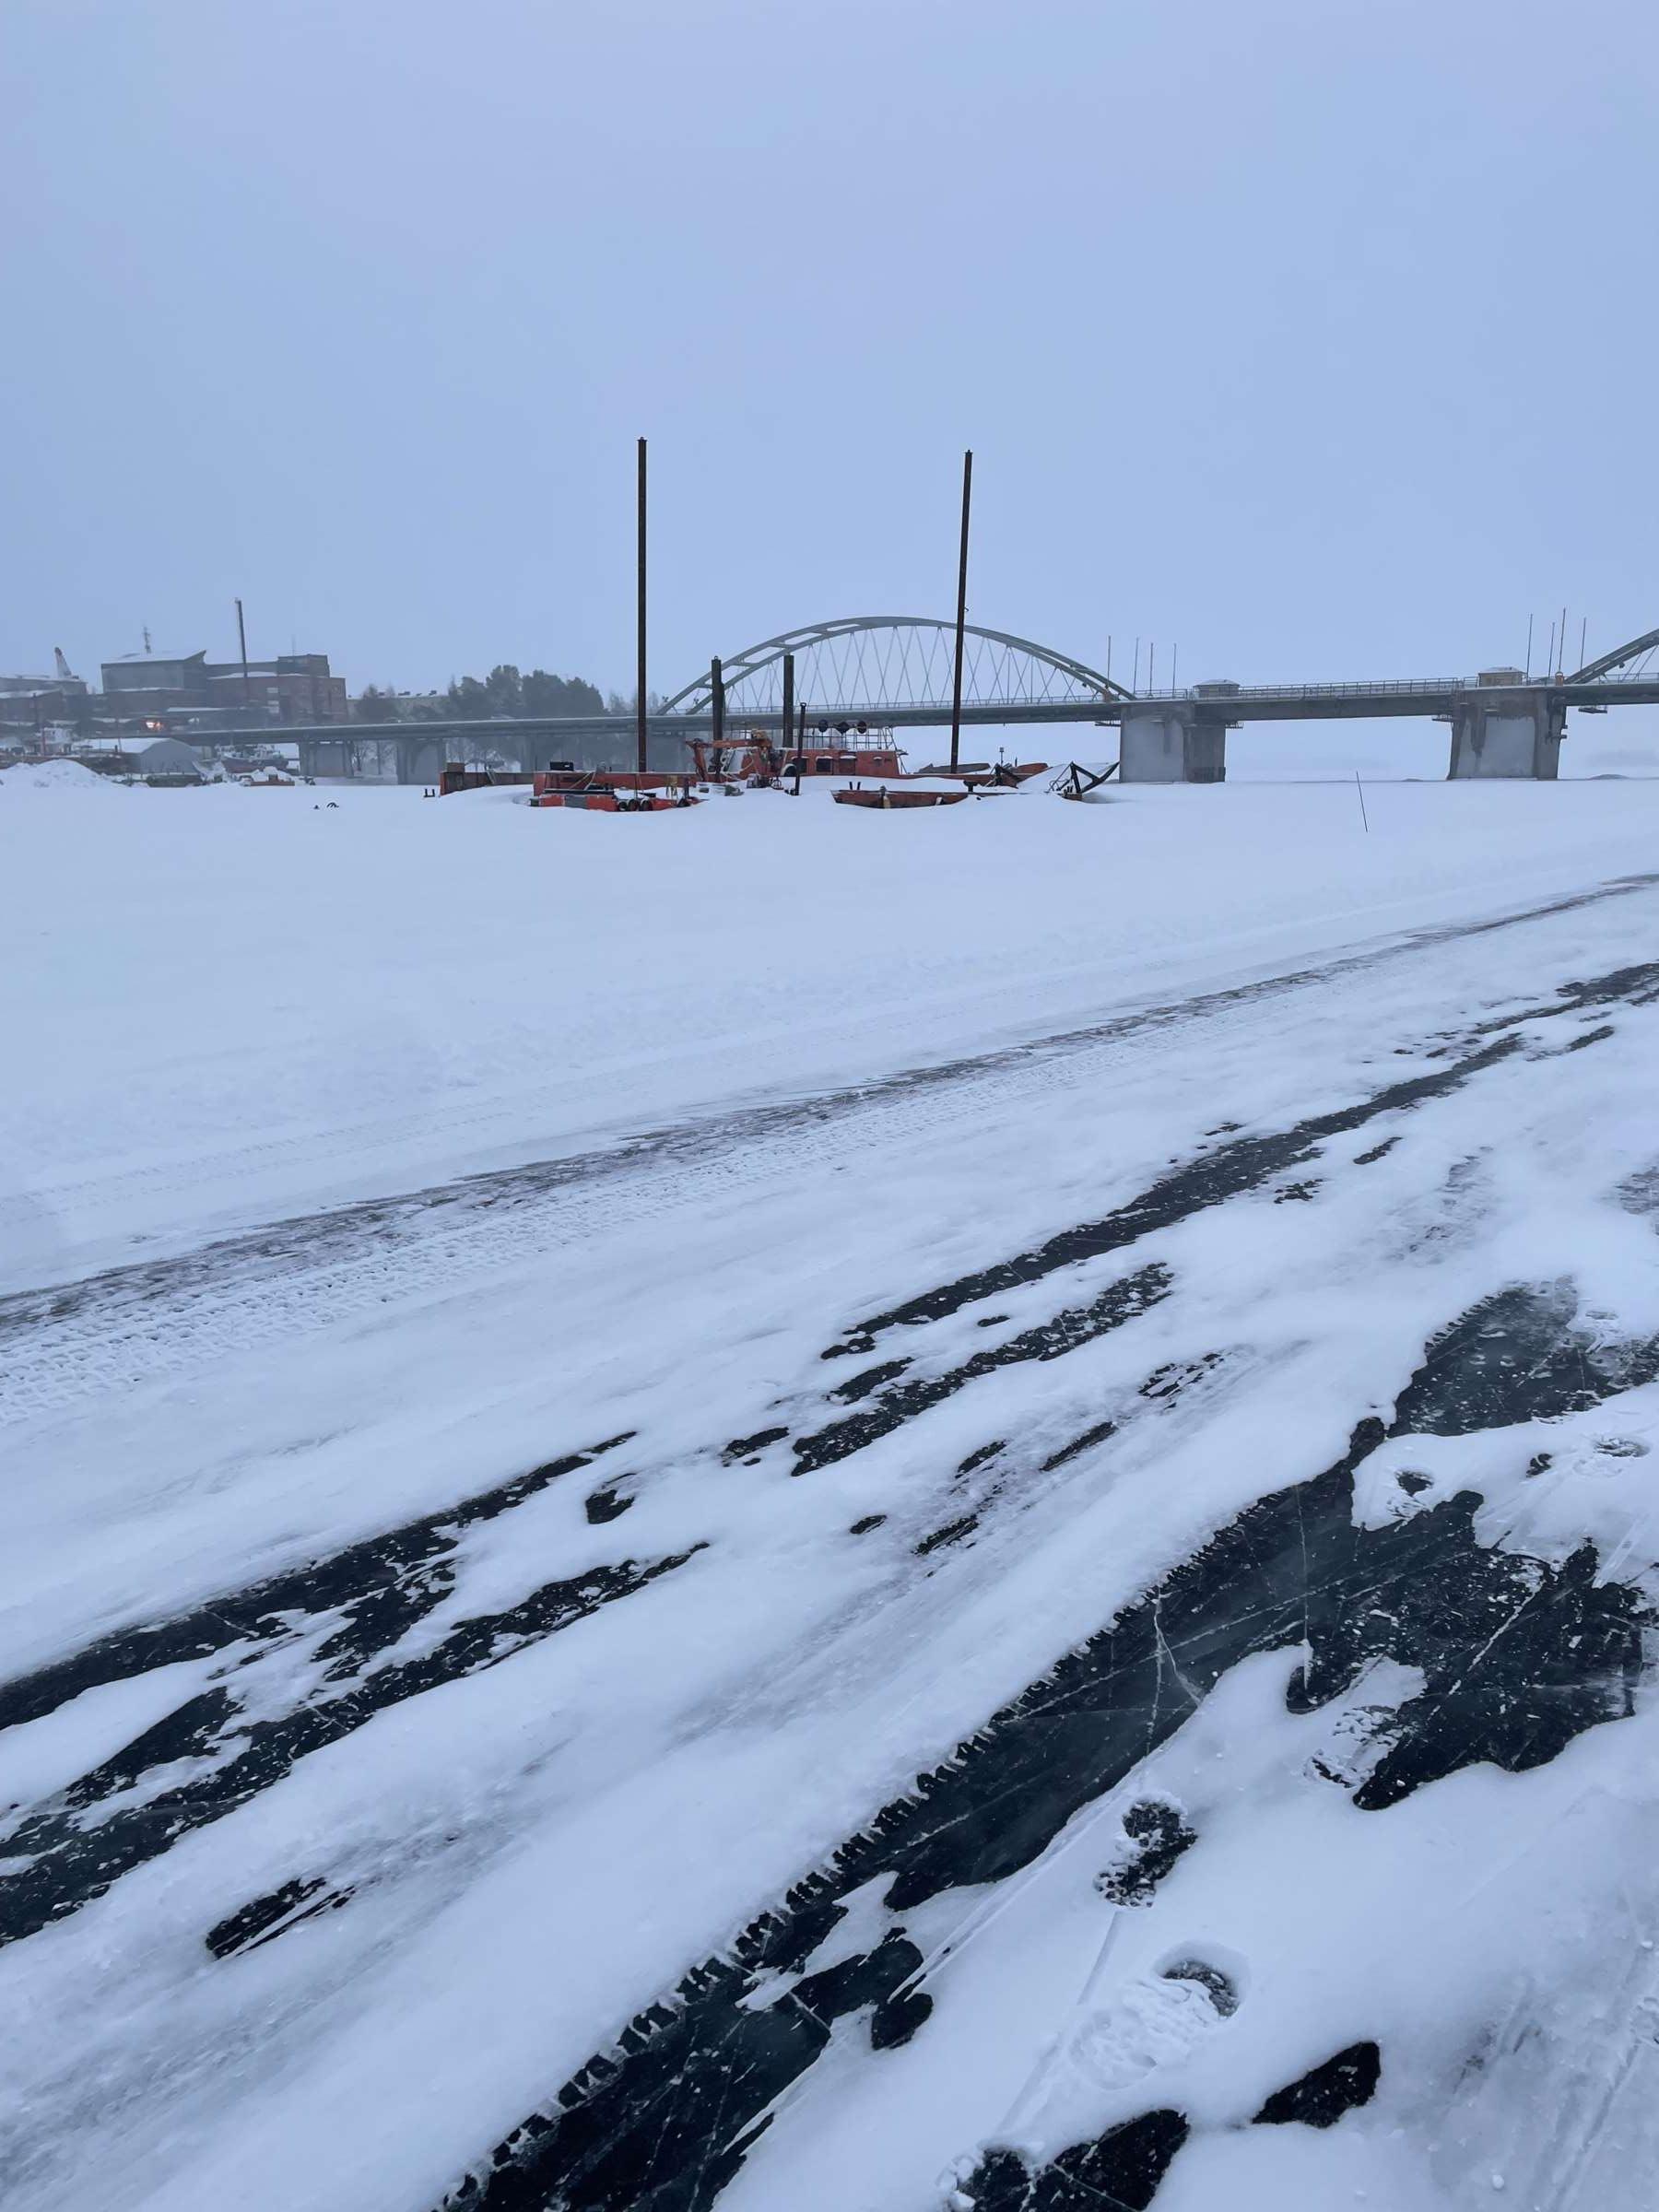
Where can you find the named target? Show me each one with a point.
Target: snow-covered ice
(989, 1470)
(230, 1004)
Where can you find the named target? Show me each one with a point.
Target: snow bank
(55, 776)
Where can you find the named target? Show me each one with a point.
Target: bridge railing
(1383, 687)
(737, 706)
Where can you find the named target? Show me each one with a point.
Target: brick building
(295, 686)
(188, 691)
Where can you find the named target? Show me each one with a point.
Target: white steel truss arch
(865, 664)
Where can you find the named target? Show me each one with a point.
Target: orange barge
(610, 789)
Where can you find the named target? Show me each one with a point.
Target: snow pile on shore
(54, 776)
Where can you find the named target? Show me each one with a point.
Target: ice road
(1063, 1623)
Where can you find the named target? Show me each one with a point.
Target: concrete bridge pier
(328, 757)
(1167, 741)
(1512, 731)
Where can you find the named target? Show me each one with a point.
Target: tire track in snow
(897, 2003)
(621, 1155)
(1518, 1657)
(61, 1348)
(331, 1622)
(1201, 1183)
(387, 1585)
(212, 1759)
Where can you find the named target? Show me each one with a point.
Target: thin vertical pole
(1174, 664)
(1360, 789)
(1529, 631)
(1584, 633)
(1108, 658)
(717, 716)
(961, 621)
(1561, 652)
(1151, 671)
(800, 747)
(640, 667)
(241, 633)
(786, 719)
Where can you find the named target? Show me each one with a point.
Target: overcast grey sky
(1315, 335)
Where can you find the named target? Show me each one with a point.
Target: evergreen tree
(545, 694)
(503, 692)
(468, 701)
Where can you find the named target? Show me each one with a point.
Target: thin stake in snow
(1360, 789)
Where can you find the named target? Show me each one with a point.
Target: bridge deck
(1253, 703)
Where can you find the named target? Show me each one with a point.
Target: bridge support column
(1509, 733)
(1167, 743)
(420, 757)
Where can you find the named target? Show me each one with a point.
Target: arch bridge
(881, 667)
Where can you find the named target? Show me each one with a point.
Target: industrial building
(36, 703)
(187, 693)
(181, 694)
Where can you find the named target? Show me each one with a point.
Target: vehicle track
(1557, 1654)
(520, 1107)
(62, 1348)
(372, 1594)
(1518, 1656)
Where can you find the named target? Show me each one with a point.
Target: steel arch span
(869, 665)
(1639, 651)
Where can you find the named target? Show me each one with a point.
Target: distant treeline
(473, 699)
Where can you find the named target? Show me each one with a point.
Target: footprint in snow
(1154, 2022)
